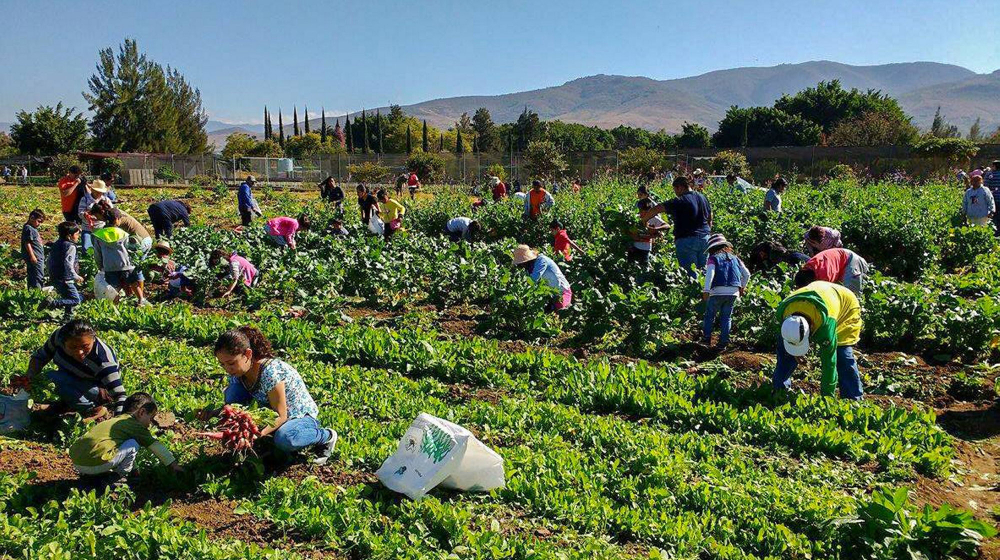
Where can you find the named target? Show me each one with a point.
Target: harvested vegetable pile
(239, 431)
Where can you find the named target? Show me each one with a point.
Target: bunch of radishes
(239, 431)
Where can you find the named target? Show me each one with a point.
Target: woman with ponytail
(256, 375)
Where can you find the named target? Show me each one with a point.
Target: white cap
(795, 335)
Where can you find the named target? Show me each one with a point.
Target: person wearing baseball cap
(827, 316)
(247, 203)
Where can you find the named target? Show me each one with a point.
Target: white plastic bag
(375, 225)
(14, 412)
(434, 451)
(103, 290)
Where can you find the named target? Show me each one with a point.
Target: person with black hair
(113, 258)
(768, 254)
(391, 212)
(366, 203)
(63, 269)
(840, 266)
(246, 204)
(820, 238)
(87, 375)
(239, 274)
(109, 448)
(330, 191)
(537, 201)
(462, 228)
(255, 374)
(772, 200)
(642, 239)
(692, 217)
(31, 249)
(71, 188)
(166, 213)
(561, 241)
(282, 229)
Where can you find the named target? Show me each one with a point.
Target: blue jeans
(723, 307)
(36, 273)
(294, 434)
(278, 239)
(68, 298)
(848, 376)
(87, 239)
(81, 394)
(691, 252)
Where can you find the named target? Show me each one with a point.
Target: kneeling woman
(255, 374)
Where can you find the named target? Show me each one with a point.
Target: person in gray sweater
(111, 254)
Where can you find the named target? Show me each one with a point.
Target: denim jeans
(68, 298)
(294, 434)
(81, 394)
(691, 252)
(121, 463)
(278, 240)
(848, 376)
(723, 307)
(36, 273)
(87, 239)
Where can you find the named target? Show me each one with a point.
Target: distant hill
(608, 101)
(218, 136)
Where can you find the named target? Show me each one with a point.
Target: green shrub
(428, 166)
(166, 174)
(61, 163)
(368, 172)
(728, 161)
(964, 244)
(114, 166)
(497, 170)
(765, 171)
(842, 172)
(202, 180)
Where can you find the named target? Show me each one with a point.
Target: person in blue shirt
(692, 218)
(165, 213)
(247, 204)
(543, 269)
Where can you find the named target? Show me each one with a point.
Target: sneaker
(48, 290)
(324, 450)
(144, 302)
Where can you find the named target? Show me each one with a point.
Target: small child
(561, 242)
(240, 273)
(171, 273)
(726, 279)
(337, 228)
(63, 269)
(112, 256)
(108, 450)
(282, 229)
(32, 250)
(643, 240)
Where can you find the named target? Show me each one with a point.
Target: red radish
(239, 432)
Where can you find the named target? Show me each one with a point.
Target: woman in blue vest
(726, 279)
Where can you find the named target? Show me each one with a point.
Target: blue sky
(345, 55)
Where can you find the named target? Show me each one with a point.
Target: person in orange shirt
(69, 191)
(537, 200)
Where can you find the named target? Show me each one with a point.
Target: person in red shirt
(499, 190)
(839, 265)
(561, 242)
(413, 182)
(69, 192)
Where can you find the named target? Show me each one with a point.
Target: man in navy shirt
(692, 222)
(165, 213)
(247, 203)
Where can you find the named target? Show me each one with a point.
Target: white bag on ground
(434, 451)
(375, 225)
(14, 412)
(102, 290)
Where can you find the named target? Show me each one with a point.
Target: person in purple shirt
(691, 215)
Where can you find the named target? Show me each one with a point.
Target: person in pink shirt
(282, 229)
(561, 242)
(239, 273)
(839, 265)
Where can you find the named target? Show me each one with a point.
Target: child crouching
(170, 272)
(726, 279)
(109, 449)
(63, 269)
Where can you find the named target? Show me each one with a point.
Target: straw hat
(716, 241)
(163, 245)
(99, 186)
(523, 254)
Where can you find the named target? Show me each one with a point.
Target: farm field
(622, 437)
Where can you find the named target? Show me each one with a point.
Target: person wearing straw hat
(543, 269)
(499, 189)
(828, 316)
(247, 204)
(726, 279)
(92, 194)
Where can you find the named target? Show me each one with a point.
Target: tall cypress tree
(348, 134)
(364, 132)
(378, 131)
(441, 147)
(322, 124)
(265, 123)
(459, 147)
(425, 145)
(305, 116)
(295, 117)
(281, 130)
(409, 140)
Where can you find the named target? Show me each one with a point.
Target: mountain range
(608, 101)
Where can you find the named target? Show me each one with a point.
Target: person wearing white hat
(828, 316)
(544, 269)
(726, 279)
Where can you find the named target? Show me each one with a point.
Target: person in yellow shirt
(829, 316)
(391, 213)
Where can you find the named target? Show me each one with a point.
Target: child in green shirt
(110, 447)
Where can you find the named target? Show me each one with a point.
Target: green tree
(486, 130)
(693, 135)
(304, 146)
(267, 148)
(348, 134)
(238, 145)
(764, 126)
(322, 124)
(409, 140)
(544, 160)
(305, 119)
(396, 114)
(49, 131)
(528, 128)
(828, 104)
(295, 121)
(7, 147)
(429, 167)
(364, 132)
(139, 105)
(954, 150)
(726, 162)
(942, 129)
(873, 128)
(425, 145)
(378, 131)
(642, 162)
(459, 146)
(975, 132)
(281, 130)
(267, 125)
